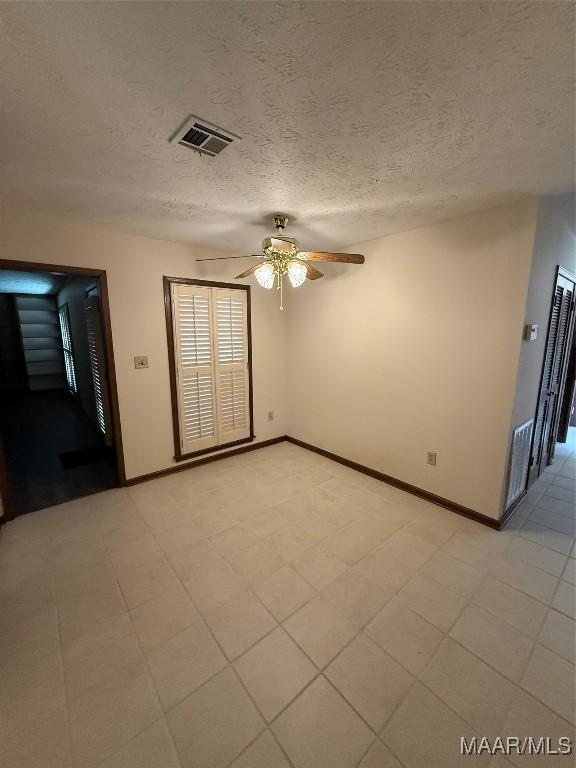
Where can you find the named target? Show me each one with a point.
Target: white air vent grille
(519, 461)
(203, 137)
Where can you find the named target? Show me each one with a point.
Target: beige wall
(417, 351)
(554, 245)
(135, 267)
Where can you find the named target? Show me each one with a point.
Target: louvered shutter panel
(544, 400)
(553, 370)
(556, 379)
(67, 350)
(563, 320)
(231, 336)
(193, 348)
(98, 365)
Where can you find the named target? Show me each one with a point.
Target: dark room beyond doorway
(56, 425)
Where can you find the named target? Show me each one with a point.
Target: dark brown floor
(36, 428)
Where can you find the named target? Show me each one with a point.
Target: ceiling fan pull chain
(281, 293)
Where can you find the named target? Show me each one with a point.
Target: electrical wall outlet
(431, 458)
(270, 415)
(141, 361)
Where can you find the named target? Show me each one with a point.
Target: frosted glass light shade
(265, 275)
(296, 273)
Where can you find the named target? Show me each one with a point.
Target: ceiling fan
(282, 255)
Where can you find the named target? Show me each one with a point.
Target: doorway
(60, 433)
(549, 410)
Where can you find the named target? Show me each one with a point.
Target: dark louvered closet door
(563, 342)
(553, 374)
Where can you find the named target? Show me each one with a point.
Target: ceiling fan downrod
(280, 222)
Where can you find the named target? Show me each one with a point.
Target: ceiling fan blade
(224, 258)
(248, 272)
(311, 272)
(344, 258)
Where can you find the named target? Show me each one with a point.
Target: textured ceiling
(358, 119)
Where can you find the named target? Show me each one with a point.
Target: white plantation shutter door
(231, 337)
(193, 349)
(210, 331)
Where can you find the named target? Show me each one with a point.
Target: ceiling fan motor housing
(280, 243)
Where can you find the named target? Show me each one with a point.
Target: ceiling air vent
(203, 137)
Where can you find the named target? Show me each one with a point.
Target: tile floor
(278, 610)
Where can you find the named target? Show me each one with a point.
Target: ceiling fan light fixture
(265, 275)
(282, 256)
(296, 274)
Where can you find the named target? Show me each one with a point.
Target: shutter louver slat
(198, 411)
(232, 400)
(194, 329)
(230, 318)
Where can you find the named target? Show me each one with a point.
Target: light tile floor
(276, 609)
